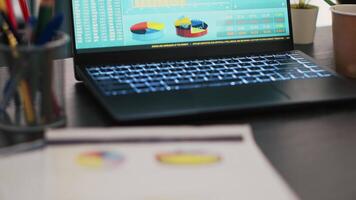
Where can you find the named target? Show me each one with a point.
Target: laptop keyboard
(116, 80)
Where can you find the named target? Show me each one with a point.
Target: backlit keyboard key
(190, 74)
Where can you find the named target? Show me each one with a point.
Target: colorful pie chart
(187, 158)
(147, 31)
(188, 28)
(99, 159)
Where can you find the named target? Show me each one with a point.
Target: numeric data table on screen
(98, 22)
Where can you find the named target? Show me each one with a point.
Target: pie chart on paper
(188, 28)
(187, 158)
(99, 159)
(147, 31)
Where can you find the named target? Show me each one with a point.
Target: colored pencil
(16, 82)
(12, 28)
(44, 16)
(21, 88)
(50, 30)
(27, 102)
(2, 5)
(10, 13)
(25, 10)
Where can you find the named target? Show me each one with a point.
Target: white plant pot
(304, 24)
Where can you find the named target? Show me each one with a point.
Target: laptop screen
(122, 25)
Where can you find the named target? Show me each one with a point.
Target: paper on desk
(166, 170)
(22, 176)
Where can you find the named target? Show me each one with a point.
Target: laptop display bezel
(191, 52)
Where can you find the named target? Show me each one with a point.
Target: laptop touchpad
(245, 96)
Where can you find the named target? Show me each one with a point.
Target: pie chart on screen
(99, 159)
(188, 28)
(147, 31)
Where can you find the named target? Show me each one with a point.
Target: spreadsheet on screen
(142, 24)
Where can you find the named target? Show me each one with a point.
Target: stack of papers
(172, 163)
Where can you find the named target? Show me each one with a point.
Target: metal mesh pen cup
(32, 86)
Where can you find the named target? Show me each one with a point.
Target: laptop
(153, 59)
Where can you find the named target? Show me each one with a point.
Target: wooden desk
(312, 148)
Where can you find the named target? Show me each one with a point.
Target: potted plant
(304, 17)
(331, 3)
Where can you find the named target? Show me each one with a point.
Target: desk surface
(312, 148)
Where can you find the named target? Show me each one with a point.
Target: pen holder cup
(32, 86)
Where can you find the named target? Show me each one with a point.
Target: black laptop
(146, 59)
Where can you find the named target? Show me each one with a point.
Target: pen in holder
(32, 85)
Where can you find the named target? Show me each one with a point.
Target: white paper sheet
(22, 176)
(240, 172)
(175, 170)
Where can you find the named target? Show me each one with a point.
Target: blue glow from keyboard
(191, 74)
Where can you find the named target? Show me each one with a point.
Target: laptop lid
(106, 31)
